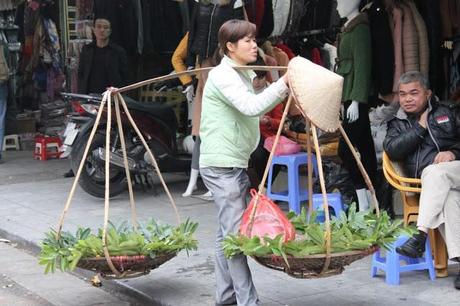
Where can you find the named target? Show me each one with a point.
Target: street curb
(134, 297)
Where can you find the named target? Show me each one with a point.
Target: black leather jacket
(205, 24)
(415, 146)
(116, 66)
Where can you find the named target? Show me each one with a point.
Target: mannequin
(354, 64)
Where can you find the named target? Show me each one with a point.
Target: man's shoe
(457, 281)
(414, 247)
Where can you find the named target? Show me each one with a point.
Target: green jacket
(229, 128)
(355, 59)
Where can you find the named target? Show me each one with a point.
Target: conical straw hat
(318, 91)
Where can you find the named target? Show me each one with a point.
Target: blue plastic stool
(294, 194)
(391, 263)
(334, 200)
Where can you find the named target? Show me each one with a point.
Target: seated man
(425, 136)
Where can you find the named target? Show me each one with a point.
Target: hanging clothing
(355, 59)
(409, 40)
(280, 16)
(268, 24)
(205, 24)
(286, 49)
(123, 18)
(84, 9)
(255, 11)
(450, 17)
(355, 64)
(383, 61)
(316, 57)
(431, 15)
(423, 48)
(296, 12)
(397, 27)
(166, 25)
(178, 60)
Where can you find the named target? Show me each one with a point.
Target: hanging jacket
(431, 14)
(409, 40)
(423, 48)
(408, 141)
(178, 60)
(255, 10)
(355, 59)
(205, 24)
(296, 12)
(382, 41)
(267, 25)
(280, 16)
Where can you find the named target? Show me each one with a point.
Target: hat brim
(318, 91)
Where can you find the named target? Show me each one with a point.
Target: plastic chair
(410, 189)
(11, 142)
(333, 199)
(294, 194)
(47, 147)
(391, 262)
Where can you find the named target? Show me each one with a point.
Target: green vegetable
(149, 240)
(355, 231)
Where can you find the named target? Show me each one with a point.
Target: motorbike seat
(161, 112)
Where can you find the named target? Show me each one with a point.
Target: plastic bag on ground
(269, 220)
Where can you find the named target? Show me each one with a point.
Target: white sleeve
(232, 87)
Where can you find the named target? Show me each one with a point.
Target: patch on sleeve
(442, 119)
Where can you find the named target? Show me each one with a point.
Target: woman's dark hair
(234, 30)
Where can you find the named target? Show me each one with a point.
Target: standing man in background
(102, 64)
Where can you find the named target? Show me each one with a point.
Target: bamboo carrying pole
(269, 162)
(362, 170)
(107, 101)
(325, 202)
(80, 167)
(125, 163)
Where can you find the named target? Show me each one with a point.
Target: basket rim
(323, 255)
(116, 257)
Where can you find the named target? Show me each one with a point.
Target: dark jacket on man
(415, 146)
(115, 64)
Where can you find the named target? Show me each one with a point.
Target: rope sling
(113, 98)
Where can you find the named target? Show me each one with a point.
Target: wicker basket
(311, 266)
(129, 266)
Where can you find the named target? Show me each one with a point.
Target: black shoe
(457, 281)
(414, 247)
(69, 173)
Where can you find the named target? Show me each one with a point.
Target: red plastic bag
(285, 145)
(269, 220)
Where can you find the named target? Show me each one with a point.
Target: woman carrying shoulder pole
(229, 133)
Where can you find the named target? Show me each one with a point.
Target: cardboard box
(26, 125)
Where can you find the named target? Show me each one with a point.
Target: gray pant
(440, 203)
(233, 277)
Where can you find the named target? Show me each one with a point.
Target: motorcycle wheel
(92, 178)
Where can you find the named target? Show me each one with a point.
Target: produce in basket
(357, 231)
(153, 239)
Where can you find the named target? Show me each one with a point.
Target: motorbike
(158, 124)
